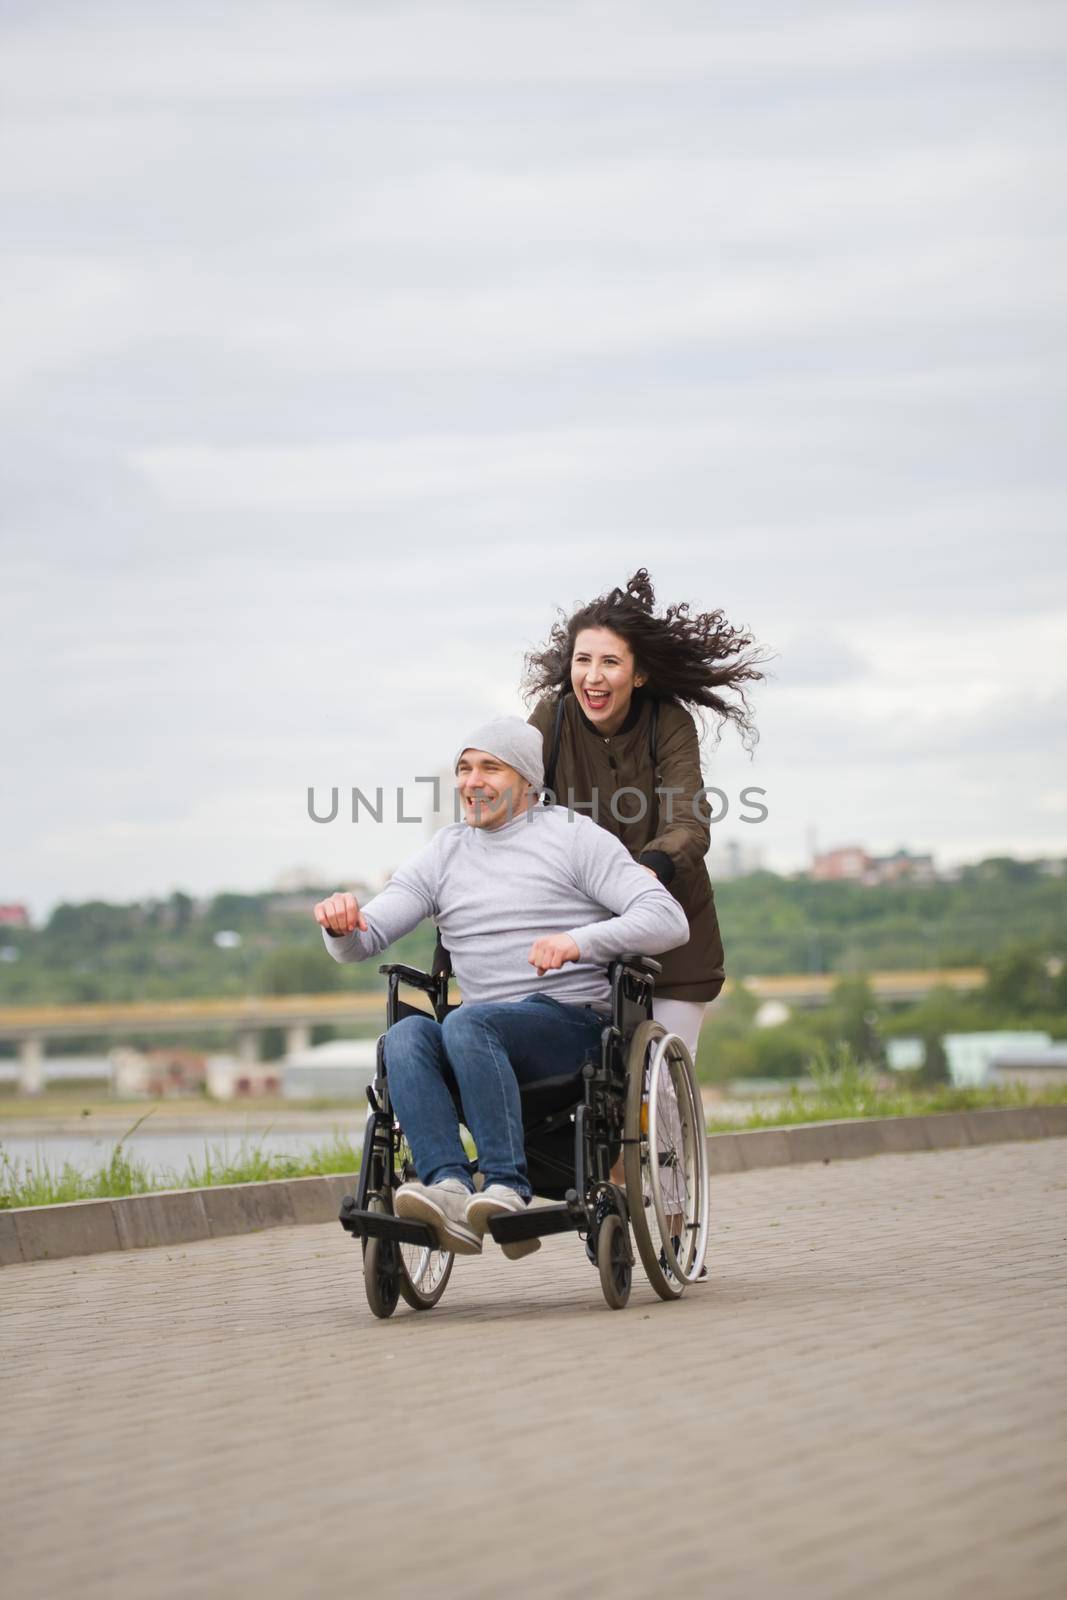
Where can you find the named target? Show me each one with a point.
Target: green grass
(253, 1164)
(38, 1183)
(846, 1089)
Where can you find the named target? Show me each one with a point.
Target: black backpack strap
(557, 735)
(442, 961)
(653, 728)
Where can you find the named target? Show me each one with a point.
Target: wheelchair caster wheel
(613, 1261)
(381, 1269)
(381, 1276)
(393, 1271)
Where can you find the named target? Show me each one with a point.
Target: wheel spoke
(669, 1165)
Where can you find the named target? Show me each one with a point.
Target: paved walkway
(868, 1400)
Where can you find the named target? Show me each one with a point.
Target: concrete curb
(169, 1217)
(181, 1216)
(874, 1136)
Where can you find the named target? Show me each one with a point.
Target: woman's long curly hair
(692, 660)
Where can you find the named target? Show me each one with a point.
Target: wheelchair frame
(609, 1118)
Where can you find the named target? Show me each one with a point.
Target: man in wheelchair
(532, 903)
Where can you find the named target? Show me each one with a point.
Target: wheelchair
(637, 1096)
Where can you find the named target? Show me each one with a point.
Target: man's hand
(553, 951)
(340, 914)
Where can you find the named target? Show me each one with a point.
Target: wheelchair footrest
(383, 1225)
(533, 1223)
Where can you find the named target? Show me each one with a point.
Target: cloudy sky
(343, 343)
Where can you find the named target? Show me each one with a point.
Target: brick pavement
(868, 1399)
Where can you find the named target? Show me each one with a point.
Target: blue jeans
(481, 1053)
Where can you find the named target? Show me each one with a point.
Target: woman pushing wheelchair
(614, 684)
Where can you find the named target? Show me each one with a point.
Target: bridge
(248, 1016)
(809, 989)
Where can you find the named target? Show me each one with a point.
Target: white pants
(682, 1017)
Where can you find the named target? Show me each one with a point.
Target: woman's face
(604, 676)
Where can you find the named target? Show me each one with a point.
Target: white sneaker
(499, 1201)
(442, 1206)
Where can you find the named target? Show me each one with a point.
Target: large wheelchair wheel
(666, 1160)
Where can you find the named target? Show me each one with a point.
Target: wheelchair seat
(549, 1097)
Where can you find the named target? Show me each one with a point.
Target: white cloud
(340, 349)
(328, 50)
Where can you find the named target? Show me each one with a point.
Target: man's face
(492, 793)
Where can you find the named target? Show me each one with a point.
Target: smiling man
(532, 904)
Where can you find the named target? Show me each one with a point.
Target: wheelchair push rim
(677, 1133)
(665, 1144)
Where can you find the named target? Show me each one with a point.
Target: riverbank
(33, 1180)
(67, 1112)
(144, 1221)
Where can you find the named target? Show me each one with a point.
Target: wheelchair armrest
(412, 976)
(641, 964)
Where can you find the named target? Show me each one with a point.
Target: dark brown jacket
(664, 833)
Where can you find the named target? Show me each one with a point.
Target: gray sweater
(493, 892)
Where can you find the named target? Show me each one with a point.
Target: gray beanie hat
(512, 741)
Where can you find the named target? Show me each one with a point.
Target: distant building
(970, 1056)
(905, 1055)
(1034, 1065)
(846, 864)
(166, 1073)
(229, 1078)
(733, 859)
(852, 864)
(14, 916)
(175, 1074)
(901, 867)
(341, 1069)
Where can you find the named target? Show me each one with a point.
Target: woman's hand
(340, 914)
(553, 951)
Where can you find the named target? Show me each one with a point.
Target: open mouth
(596, 699)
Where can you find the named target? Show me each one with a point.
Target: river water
(164, 1150)
(163, 1153)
